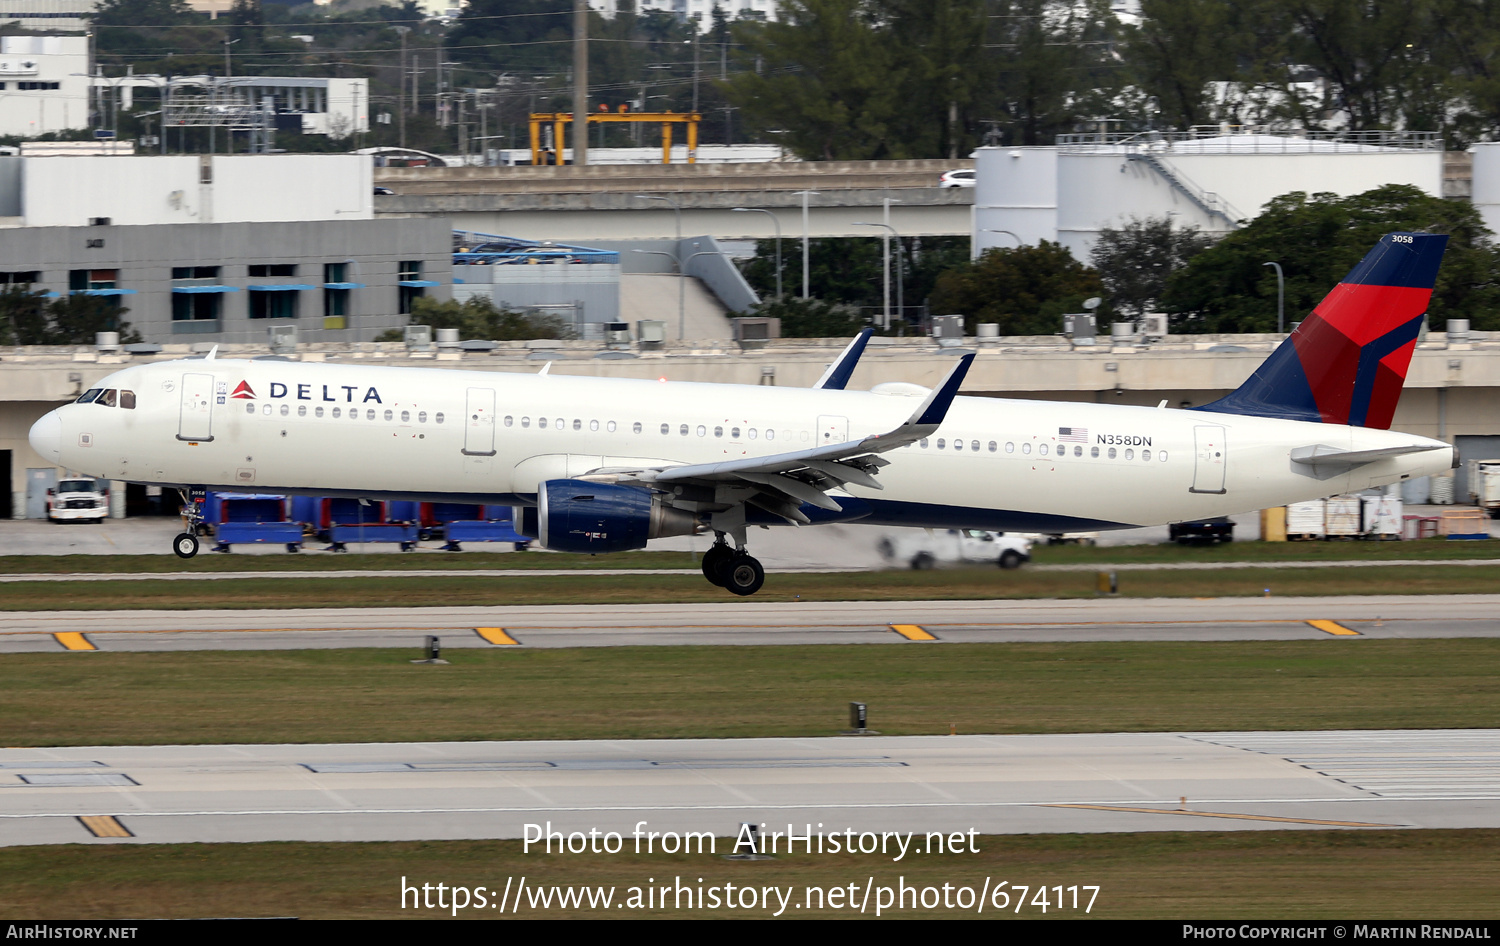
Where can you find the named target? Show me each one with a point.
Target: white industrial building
(151, 190)
(699, 11)
(47, 14)
(44, 84)
(1068, 192)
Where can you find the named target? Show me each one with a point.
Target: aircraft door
(832, 429)
(196, 420)
(479, 423)
(1208, 463)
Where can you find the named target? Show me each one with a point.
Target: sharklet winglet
(836, 377)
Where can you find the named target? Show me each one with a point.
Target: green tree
(515, 35)
(1024, 289)
(826, 78)
(1053, 66)
(1134, 261)
(1317, 240)
(31, 318)
(478, 317)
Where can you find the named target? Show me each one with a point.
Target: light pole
(675, 207)
(805, 195)
(900, 282)
(775, 220)
(1280, 298)
(681, 303)
(1019, 242)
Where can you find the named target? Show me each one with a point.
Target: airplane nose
(46, 436)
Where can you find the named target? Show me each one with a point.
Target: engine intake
(577, 516)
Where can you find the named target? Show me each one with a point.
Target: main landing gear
(732, 569)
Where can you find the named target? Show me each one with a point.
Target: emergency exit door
(1209, 459)
(196, 420)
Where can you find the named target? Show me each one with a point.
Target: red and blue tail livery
(1346, 363)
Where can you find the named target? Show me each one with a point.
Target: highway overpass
(578, 204)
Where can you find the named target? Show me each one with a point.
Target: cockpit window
(127, 400)
(88, 396)
(107, 399)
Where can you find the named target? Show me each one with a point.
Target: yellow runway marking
(73, 640)
(913, 632)
(495, 635)
(1225, 814)
(1334, 627)
(105, 826)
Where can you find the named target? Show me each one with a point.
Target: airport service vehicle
(78, 499)
(922, 550)
(606, 465)
(1484, 486)
(1202, 531)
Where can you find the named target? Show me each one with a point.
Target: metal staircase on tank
(1207, 201)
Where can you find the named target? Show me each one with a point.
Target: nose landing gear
(732, 569)
(185, 545)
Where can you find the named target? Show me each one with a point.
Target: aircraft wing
(781, 482)
(1325, 461)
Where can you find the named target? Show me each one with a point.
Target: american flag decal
(1073, 434)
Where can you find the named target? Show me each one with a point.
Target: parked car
(961, 178)
(75, 499)
(928, 549)
(1202, 531)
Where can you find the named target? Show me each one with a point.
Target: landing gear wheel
(743, 575)
(185, 545)
(715, 560)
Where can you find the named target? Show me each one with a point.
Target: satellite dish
(1092, 303)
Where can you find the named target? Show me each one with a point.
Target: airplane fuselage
(478, 436)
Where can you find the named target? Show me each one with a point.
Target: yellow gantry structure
(560, 119)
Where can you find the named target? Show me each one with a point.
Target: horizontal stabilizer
(1325, 461)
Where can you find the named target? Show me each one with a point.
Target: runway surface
(909, 623)
(990, 784)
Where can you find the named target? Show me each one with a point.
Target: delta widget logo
(243, 392)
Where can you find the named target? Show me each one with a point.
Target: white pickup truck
(930, 548)
(78, 498)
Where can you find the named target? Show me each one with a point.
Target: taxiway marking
(73, 640)
(1335, 628)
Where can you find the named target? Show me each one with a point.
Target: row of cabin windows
(752, 433)
(684, 430)
(1059, 451)
(336, 413)
(108, 397)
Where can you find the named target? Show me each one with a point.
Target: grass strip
(1330, 551)
(1373, 552)
(981, 583)
(377, 695)
(353, 561)
(1257, 875)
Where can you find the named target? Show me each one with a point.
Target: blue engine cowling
(578, 516)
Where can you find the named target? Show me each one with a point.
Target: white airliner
(605, 465)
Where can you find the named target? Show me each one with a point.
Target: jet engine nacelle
(577, 516)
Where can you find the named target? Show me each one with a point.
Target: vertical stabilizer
(1347, 361)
